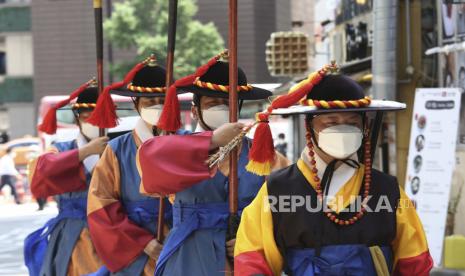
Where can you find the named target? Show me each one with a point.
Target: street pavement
(16, 222)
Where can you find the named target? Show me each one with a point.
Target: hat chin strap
(331, 166)
(200, 114)
(205, 126)
(309, 126)
(347, 161)
(76, 117)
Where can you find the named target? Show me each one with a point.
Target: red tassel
(104, 114)
(49, 123)
(170, 118)
(294, 97)
(262, 153)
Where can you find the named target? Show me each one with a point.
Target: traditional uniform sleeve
(256, 251)
(117, 240)
(411, 254)
(56, 172)
(169, 164)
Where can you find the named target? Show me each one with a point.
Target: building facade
(257, 19)
(16, 68)
(64, 40)
(64, 47)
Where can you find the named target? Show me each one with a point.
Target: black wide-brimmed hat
(322, 92)
(337, 93)
(86, 95)
(145, 79)
(215, 83)
(211, 79)
(87, 100)
(149, 81)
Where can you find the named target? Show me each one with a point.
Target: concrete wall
(21, 118)
(257, 20)
(64, 46)
(64, 43)
(302, 12)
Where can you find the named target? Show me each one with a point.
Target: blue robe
(205, 205)
(63, 231)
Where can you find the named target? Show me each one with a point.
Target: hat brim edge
(254, 94)
(378, 106)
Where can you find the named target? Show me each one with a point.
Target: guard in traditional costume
(330, 213)
(122, 221)
(63, 246)
(197, 243)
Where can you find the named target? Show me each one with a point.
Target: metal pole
(233, 111)
(172, 11)
(384, 61)
(99, 48)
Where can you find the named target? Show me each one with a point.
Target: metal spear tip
(92, 82)
(151, 60)
(333, 68)
(224, 54)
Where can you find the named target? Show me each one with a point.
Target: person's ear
(195, 112)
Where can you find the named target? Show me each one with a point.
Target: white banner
(431, 160)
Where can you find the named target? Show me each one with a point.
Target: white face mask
(216, 116)
(151, 114)
(340, 141)
(89, 130)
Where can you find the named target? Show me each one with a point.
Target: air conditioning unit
(287, 54)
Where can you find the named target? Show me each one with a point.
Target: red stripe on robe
(117, 240)
(57, 173)
(418, 265)
(251, 263)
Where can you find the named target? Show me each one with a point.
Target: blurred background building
(17, 116)
(257, 20)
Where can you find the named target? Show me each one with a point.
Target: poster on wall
(431, 159)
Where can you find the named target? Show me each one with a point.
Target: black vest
(304, 229)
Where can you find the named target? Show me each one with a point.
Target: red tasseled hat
(170, 119)
(49, 124)
(104, 114)
(262, 153)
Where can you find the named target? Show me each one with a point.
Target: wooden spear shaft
(233, 111)
(98, 14)
(172, 19)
